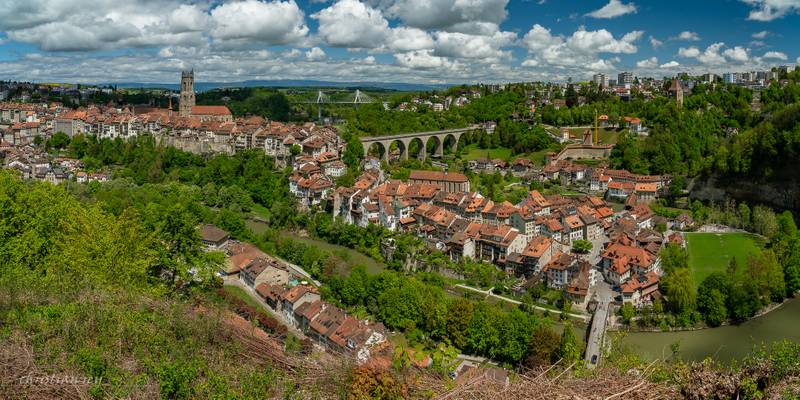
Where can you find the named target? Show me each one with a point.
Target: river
(725, 343)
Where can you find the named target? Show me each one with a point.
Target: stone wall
(577, 152)
(780, 195)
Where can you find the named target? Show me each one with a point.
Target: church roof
(675, 86)
(210, 110)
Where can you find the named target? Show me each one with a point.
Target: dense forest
(374, 120)
(267, 103)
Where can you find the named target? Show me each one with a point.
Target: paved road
(594, 345)
(582, 317)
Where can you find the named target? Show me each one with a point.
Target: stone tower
(676, 91)
(187, 93)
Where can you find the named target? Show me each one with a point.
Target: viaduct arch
(405, 139)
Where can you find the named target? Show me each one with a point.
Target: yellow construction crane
(595, 127)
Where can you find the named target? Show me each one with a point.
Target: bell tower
(187, 93)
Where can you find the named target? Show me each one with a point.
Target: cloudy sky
(422, 41)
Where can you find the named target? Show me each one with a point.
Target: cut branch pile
(20, 378)
(606, 384)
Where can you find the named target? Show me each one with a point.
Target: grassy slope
(473, 152)
(352, 257)
(712, 252)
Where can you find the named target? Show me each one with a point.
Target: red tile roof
(211, 110)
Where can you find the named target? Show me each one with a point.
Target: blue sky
(425, 41)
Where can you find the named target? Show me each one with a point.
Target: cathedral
(187, 108)
(187, 93)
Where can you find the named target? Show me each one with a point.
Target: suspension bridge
(355, 98)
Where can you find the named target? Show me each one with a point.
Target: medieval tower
(187, 93)
(676, 91)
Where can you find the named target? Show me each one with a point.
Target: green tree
(58, 141)
(677, 186)
(786, 224)
(582, 246)
(568, 348)
(177, 231)
(275, 106)
(674, 257)
(713, 308)
(712, 297)
(543, 348)
(768, 276)
(459, 318)
(744, 215)
(571, 96)
(627, 312)
(679, 290)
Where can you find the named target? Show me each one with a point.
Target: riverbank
(766, 310)
(724, 343)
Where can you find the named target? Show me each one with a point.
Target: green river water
(725, 343)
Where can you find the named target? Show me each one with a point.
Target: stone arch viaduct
(404, 141)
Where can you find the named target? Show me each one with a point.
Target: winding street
(582, 317)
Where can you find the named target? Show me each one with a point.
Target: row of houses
(32, 163)
(532, 239)
(298, 302)
(209, 129)
(614, 184)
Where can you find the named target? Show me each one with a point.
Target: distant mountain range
(204, 86)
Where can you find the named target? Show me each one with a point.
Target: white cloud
(602, 41)
(166, 52)
(444, 14)
(578, 51)
(690, 52)
(687, 36)
(613, 9)
(651, 62)
(540, 38)
(760, 35)
(461, 45)
(422, 59)
(601, 65)
(738, 54)
(369, 60)
(777, 55)
(647, 63)
(352, 24)
(293, 53)
(276, 23)
(406, 39)
(315, 54)
(188, 18)
(671, 64)
(655, 43)
(711, 55)
(768, 10)
(714, 55)
(60, 25)
(530, 63)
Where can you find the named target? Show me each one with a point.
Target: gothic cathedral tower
(676, 91)
(187, 93)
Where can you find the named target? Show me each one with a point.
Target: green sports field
(712, 252)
